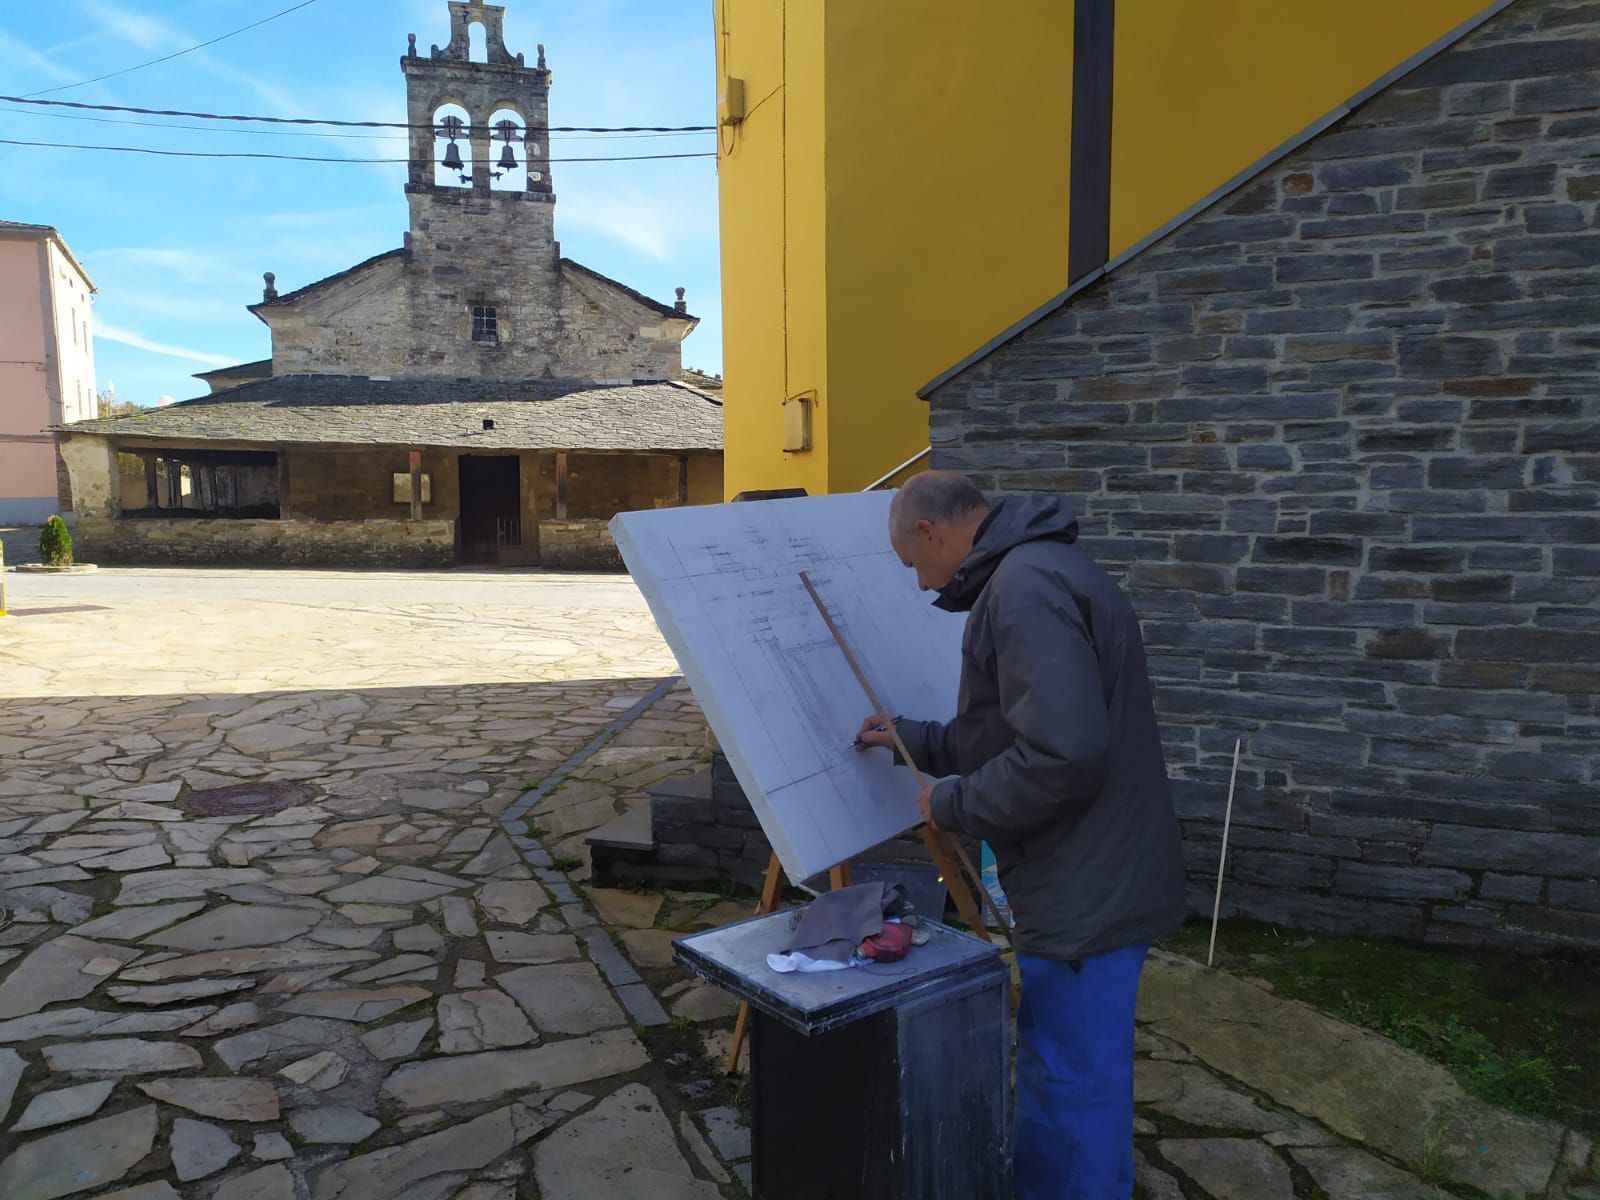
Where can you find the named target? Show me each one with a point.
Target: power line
(391, 137)
(207, 116)
(315, 158)
(175, 54)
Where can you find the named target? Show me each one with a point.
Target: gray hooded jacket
(1054, 741)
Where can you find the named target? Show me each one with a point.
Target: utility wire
(176, 53)
(315, 158)
(390, 137)
(207, 116)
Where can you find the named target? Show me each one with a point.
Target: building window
(486, 324)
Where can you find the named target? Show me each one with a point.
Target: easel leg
(769, 897)
(954, 881)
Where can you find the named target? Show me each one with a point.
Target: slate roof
(259, 369)
(356, 410)
(284, 298)
(666, 310)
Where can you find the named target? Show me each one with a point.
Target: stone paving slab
(1361, 1086)
(385, 989)
(390, 988)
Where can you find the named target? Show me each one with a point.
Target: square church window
(486, 324)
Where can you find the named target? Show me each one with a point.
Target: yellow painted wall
(946, 166)
(898, 192)
(773, 252)
(1204, 88)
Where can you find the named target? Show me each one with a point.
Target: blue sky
(177, 246)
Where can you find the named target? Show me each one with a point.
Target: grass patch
(1514, 1030)
(566, 863)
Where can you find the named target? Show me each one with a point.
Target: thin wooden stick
(1227, 820)
(973, 877)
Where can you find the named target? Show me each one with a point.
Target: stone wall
(343, 485)
(700, 836)
(577, 545)
(1340, 437)
(200, 540)
(410, 315)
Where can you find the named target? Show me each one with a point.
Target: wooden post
(284, 508)
(416, 485)
(561, 485)
(683, 479)
(152, 498)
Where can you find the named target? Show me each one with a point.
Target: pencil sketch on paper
(723, 583)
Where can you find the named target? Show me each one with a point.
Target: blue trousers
(1074, 1109)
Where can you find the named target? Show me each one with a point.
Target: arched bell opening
(508, 154)
(452, 147)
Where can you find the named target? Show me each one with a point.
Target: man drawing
(1054, 759)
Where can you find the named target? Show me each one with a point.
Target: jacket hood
(1009, 524)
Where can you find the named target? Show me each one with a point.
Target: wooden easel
(945, 851)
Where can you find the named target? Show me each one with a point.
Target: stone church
(472, 395)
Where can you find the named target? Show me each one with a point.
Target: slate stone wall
(1340, 437)
(208, 541)
(702, 836)
(577, 545)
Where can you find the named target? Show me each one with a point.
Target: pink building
(46, 366)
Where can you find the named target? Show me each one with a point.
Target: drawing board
(723, 583)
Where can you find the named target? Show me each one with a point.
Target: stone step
(684, 787)
(629, 833)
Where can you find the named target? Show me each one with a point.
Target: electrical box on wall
(797, 422)
(730, 101)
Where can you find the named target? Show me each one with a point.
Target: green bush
(55, 544)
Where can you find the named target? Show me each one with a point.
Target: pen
(857, 744)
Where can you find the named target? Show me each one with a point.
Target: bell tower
(494, 111)
(482, 236)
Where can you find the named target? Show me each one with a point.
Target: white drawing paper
(723, 583)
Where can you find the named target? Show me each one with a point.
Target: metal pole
(1227, 820)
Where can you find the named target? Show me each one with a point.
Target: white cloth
(796, 961)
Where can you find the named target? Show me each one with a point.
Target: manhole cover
(244, 799)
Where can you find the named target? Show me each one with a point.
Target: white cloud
(627, 217)
(144, 32)
(127, 337)
(15, 52)
(187, 265)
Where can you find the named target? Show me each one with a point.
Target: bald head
(932, 522)
(938, 497)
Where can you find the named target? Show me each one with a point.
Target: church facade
(470, 396)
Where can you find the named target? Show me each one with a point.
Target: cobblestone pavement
(371, 982)
(399, 985)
